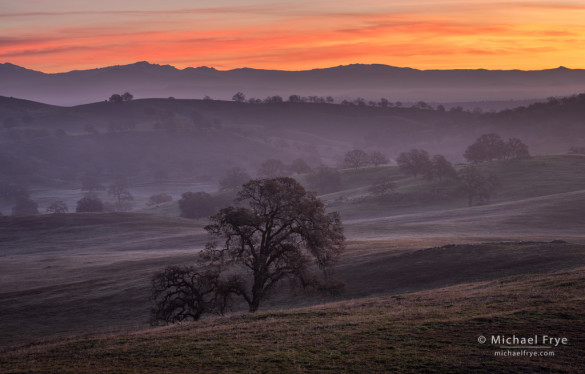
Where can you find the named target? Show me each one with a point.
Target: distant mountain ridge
(371, 82)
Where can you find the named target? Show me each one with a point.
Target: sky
(64, 35)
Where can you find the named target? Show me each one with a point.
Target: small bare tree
(356, 158)
(122, 195)
(183, 293)
(57, 207)
(477, 187)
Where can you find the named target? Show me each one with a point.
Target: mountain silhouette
(371, 82)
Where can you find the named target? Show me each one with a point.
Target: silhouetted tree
(271, 168)
(183, 293)
(127, 96)
(378, 158)
(234, 178)
(123, 197)
(442, 168)
(278, 234)
(356, 158)
(516, 150)
(477, 187)
(116, 98)
(90, 203)
(486, 148)
(300, 166)
(273, 99)
(57, 207)
(239, 97)
(294, 99)
(421, 105)
(414, 162)
(196, 205)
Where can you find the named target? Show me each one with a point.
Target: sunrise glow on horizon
(66, 35)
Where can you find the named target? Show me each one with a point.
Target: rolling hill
(428, 331)
(77, 273)
(198, 140)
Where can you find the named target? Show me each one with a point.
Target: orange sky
(63, 35)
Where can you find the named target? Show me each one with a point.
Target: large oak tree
(277, 233)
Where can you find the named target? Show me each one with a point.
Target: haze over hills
(371, 82)
(44, 144)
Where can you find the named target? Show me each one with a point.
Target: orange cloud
(454, 35)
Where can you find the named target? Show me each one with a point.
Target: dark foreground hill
(63, 275)
(429, 331)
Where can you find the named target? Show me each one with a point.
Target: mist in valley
(433, 191)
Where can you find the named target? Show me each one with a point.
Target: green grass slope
(431, 331)
(539, 176)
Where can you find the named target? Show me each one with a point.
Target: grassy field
(545, 175)
(77, 273)
(424, 265)
(429, 331)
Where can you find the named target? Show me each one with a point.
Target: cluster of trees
(23, 204)
(359, 158)
(491, 146)
(91, 201)
(567, 107)
(117, 98)
(477, 187)
(418, 162)
(275, 233)
(240, 97)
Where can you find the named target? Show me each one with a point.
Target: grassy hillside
(540, 176)
(85, 271)
(430, 331)
(200, 139)
(522, 180)
(68, 274)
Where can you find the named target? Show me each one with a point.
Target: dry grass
(429, 331)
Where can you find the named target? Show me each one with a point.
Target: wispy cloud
(300, 35)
